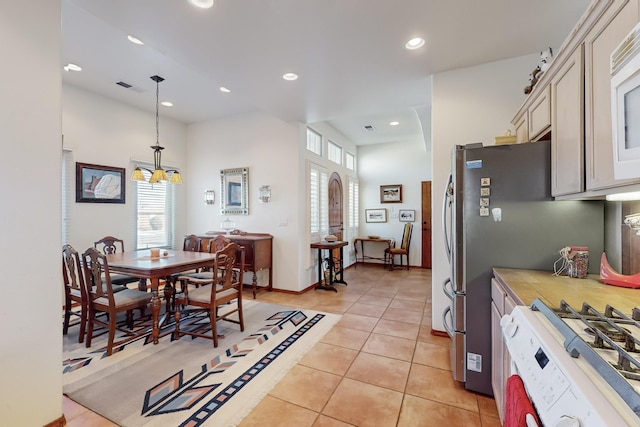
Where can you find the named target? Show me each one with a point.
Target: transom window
(335, 152)
(314, 141)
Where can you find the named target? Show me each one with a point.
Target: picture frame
(376, 215)
(99, 184)
(391, 193)
(406, 215)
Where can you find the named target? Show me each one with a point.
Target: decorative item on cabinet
(507, 138)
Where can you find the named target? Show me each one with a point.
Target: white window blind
(353, 221)
(67, 193)
(314, 141)
(318, 202)
(335, 152)
(154, 213)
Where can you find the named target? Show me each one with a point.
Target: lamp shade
(137, 175)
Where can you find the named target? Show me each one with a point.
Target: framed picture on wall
(391, 193)
(376, 215)
(407, 215)
(99, 184)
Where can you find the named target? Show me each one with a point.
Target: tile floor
(379, 365)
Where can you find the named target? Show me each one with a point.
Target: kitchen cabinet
(567, 116)
(501, 304)
(603, 38)
(522, 128)
(540, 115)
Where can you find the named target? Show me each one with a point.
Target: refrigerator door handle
(446, 207)
(448, 290)
(446, 314)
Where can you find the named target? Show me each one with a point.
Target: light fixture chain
(157, 113)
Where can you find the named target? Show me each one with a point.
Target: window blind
(154, 213)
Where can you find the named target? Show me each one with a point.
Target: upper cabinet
(575, 95)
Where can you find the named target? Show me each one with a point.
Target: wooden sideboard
(258, 253)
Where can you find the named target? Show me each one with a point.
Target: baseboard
(60, 422)
(439, 333)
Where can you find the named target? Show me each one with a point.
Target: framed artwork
(235, 194)
(376, 215)
(391, 193)
(99, 184)
(408, 215)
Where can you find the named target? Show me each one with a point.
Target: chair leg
(83, 324)
(112, 333)
(91, 318)
(240, 314)
(214, 329)
(176, 332)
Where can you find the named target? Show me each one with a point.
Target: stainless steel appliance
(579, 366)
(498, 212)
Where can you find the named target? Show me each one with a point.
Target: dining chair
(102, 299)
(112, 245)
(74, 290)
(390, 253)
(191, 243)
(226, 288)
(205, 275)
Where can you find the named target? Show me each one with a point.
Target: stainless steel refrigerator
(498, 212)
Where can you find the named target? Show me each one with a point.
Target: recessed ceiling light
(204, 4)
(224, 89)
(290, 76)
(167, 103)
(394, 123)
(72, 67)
(414, 43)
(135, 40)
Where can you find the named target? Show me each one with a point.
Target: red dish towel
(517, 404)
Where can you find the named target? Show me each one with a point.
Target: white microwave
(625, 106)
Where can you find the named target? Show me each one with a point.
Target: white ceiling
(349, 54)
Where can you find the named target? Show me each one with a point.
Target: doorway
(335, 206)
(426, 224)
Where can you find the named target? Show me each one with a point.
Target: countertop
(526, 285)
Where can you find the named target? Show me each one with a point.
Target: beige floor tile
(407, 305)
(90, 419)
(438, 385)
(272, 412)
(380, 371)
(306, 387)
(343, 337)
(425, 335)
(374, 300)
(71, 409)
(397, 329)
(437, 356)
(488, 421)
(402, 315)
(329, 358)
(364, 405)
(324, 421)
(336, 307)
(417, 412)
(356, 321)
(487, 405)
(366, 310)
(382, 291)
(388, 346)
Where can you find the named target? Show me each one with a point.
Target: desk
(337, 277)
(389, 241)
(140, 264)
(258, 253)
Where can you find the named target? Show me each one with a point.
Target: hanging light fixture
(158, 174)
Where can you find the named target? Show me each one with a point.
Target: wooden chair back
(96, 275)
(218, 243)
(74, 289)
(110, 245)
(227, 276)
(406, 236)
(192, 243)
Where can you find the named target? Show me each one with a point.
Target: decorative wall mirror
(234, 191)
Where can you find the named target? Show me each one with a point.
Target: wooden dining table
(141, 264)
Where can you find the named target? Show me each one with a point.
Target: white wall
(469, 105)
(101, 131)
(269, 148)
(407, 163)
(31, 287)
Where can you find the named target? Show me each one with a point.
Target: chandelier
(158, 174)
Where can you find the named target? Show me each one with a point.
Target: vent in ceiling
(128, 86)
(369, 128)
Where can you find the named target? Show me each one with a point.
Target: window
(350, 161)
(154, 213)
(318, 202)
(351, 230)
(314, 141)
(335, 152)
(67, 192)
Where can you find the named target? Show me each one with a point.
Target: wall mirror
(234, 191)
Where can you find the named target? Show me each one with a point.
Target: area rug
(187, 382)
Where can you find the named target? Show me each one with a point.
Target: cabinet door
(522, 129)
(567, 140)
(612, 28)
(540, 115)
(498, 380)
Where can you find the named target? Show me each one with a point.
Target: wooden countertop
(526, 285)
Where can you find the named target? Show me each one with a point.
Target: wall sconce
(264, 193)
(209, 197)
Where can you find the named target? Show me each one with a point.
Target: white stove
(579, 367)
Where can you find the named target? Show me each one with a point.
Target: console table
(389, 241)
(334, 278)
(258, 253)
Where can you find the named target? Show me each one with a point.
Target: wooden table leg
(155, 309)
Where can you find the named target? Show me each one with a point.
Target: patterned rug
(187, 382)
